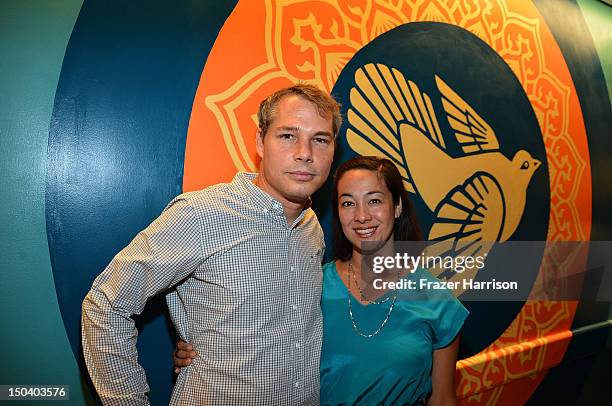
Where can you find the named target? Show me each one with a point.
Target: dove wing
(467, 223)
(381, 100)
(473, 133)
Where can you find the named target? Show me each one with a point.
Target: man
(244, 260)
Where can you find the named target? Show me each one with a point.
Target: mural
(498, 101)
(384, 65)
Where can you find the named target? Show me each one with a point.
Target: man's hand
(183, 356)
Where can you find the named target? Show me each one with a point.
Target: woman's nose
(362, 214)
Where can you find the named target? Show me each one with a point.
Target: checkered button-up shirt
(247, 294)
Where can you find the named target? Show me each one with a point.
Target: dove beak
(536, 163)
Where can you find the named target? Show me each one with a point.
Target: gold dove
(477, 198)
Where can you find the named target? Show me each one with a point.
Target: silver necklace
(363, 296)
(350, 305)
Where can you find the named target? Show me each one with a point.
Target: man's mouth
(302, 175)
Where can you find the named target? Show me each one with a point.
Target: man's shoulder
(209, 192)
(220, 191)
(218, 199)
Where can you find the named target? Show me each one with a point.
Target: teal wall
(33, 40)
(34, 34)
(598, 17)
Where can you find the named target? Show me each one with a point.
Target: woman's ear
(398, 209)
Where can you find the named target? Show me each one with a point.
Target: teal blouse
(394, 366)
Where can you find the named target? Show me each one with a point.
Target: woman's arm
(443, 375)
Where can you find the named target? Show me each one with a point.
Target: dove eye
(525, 165)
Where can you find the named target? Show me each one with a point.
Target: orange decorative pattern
(313, 40)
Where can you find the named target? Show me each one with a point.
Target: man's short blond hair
(326, 105)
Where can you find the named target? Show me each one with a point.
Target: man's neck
(291, 209)
(291, 213)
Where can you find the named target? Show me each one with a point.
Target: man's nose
(303, 151)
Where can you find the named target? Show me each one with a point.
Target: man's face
(296, 152)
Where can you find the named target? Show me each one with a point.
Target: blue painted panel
(117, 143)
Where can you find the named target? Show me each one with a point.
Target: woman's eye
(346, 204)
(375, 201)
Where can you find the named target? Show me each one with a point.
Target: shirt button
(298, 345)
(292, 269)
(294, 307)
(296, 384)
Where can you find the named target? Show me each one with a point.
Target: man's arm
(160, 256)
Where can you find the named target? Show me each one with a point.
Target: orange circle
(267, 45)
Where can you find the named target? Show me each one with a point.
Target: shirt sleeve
(449, 314)
(452, 315)
(444, 312)
(159, 257)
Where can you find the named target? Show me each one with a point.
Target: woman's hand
(443, 390)
(183, 356)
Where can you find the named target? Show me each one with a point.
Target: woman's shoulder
(329, 267)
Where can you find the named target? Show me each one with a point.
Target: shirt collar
(263, 199)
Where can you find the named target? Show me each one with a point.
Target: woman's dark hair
(406, 227)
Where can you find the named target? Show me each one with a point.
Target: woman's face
(365, 207)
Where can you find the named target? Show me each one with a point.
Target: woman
(380, 346)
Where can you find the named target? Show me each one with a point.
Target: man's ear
(259, 142)
(398, 209)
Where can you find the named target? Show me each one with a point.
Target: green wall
(33, 39)
(598, 17)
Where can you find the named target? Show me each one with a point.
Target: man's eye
(321, 140)
(286, 136)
